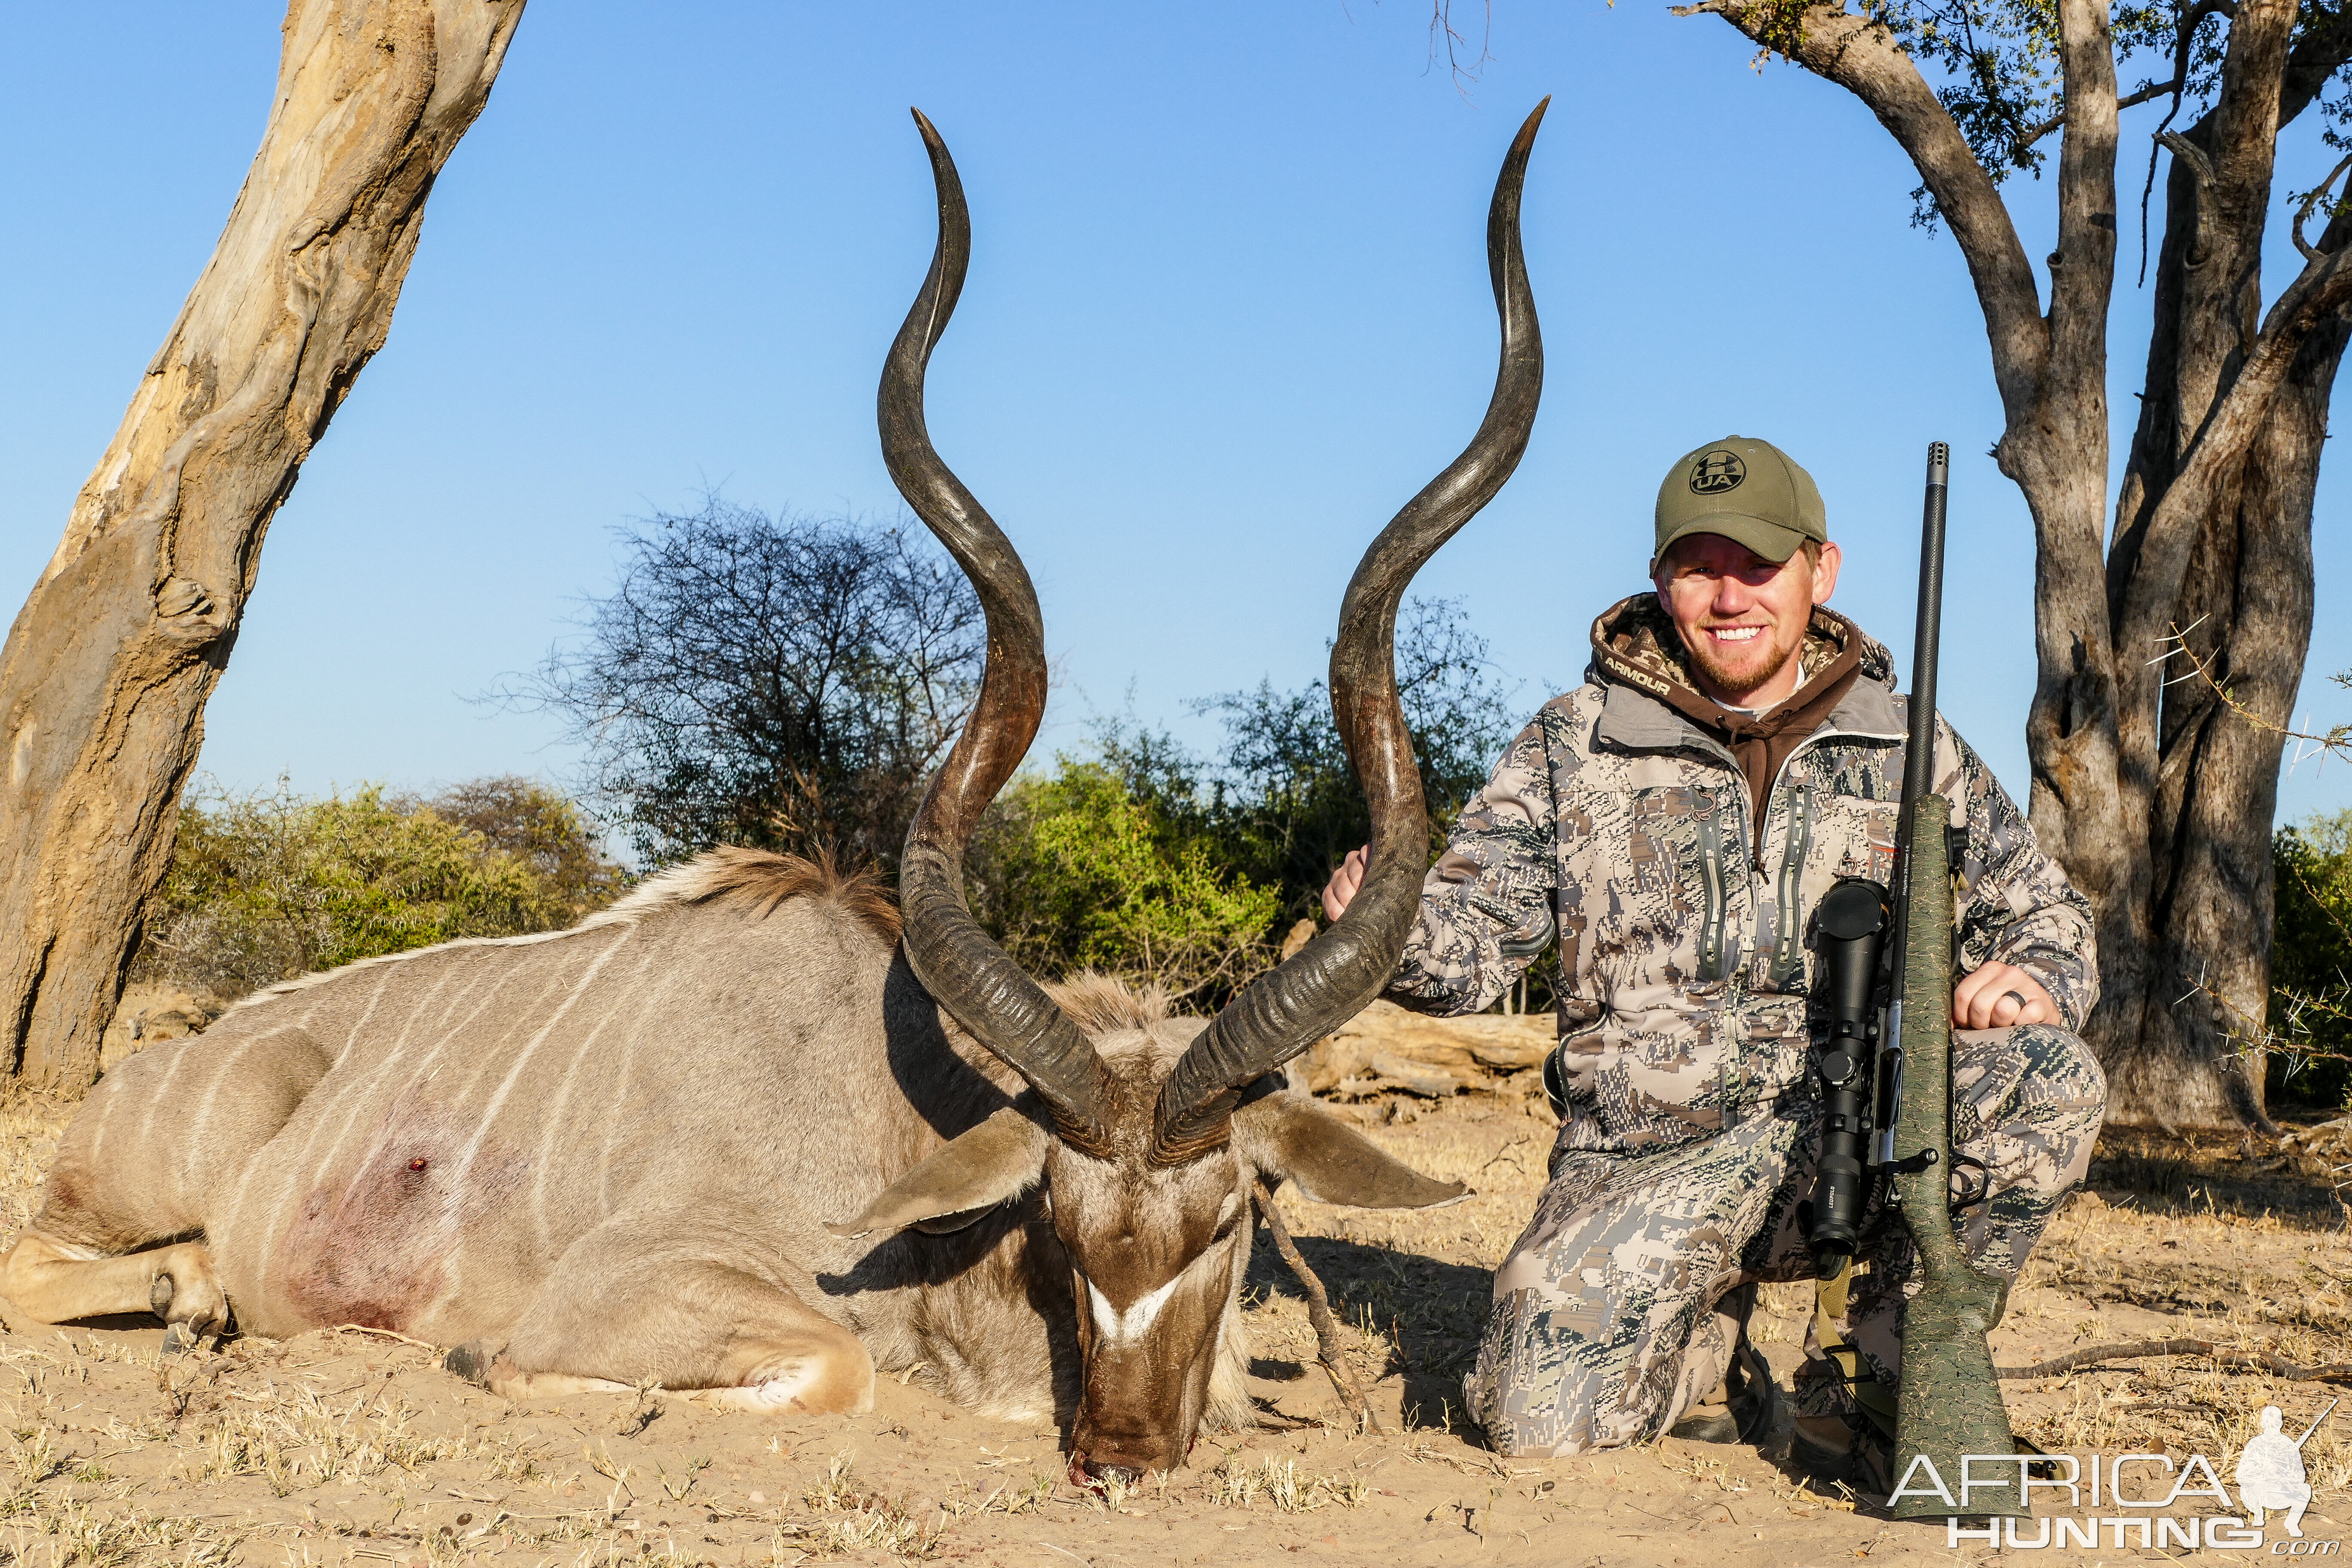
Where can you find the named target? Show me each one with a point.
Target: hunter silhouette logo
(2270, 1472)
(1715, 472)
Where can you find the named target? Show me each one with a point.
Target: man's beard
(1758, 663)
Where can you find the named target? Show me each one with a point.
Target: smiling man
(1735, 749)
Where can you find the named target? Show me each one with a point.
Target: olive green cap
(1744, 490)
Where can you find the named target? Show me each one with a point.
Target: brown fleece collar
(1634, 641)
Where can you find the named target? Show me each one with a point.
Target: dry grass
(2177, 1237)
(349, 1447)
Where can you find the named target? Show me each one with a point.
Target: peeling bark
(2157, 798)
(108, 667)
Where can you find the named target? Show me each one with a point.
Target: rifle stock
(1948, 1403)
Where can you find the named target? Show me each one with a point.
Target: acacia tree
(109, 665)
(786, 683)
(2155, 793)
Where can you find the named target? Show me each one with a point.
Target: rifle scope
(1849, 926)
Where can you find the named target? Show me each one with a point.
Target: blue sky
(1228, 309)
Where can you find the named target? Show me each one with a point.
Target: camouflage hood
(1634, 643)
(1636, 648)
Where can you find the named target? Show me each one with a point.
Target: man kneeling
(1735, 749)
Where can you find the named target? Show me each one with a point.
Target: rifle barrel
(1919, 763)
(1919, 752)
(1948, 1401)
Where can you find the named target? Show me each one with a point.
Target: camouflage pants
(1622, 1302)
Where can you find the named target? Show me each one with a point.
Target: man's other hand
(1992, 997)
(1345, 882)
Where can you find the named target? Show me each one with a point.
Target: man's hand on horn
(1345, 882)
(1992, 998)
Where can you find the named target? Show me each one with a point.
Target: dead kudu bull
(610, 1154)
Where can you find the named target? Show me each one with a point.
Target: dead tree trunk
(109, 665)
(2157, 798)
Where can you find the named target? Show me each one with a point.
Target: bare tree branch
(1863, 56)
(110, 662)
(1442, 31)
(2223, 1356)
(2200, 170)
(2336, 741)
(2303, 212)
(1328, 1350)
(2219, 447)
(2082, 287)
(2130, 101)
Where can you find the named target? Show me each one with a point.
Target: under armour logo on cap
(1744, 490)
(1716, 471)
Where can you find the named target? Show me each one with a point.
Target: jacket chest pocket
(1854, 837)
(1679, 853)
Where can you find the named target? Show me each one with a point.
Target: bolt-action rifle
(1885, 1065)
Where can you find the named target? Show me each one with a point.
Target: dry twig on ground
(2222, 1356)
(1319, 1312)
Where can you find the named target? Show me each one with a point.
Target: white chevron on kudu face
(619, 1146)
(1129, 1327)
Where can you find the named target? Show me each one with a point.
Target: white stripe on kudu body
(553, 1113)
(498, 1099)
(572, 1165)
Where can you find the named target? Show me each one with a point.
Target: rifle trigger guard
(1970, 1197)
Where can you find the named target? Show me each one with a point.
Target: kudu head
(1147, 1135)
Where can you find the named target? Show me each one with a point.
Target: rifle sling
(1875, 1398)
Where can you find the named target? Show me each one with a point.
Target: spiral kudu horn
(965, 972)
(1329, 981)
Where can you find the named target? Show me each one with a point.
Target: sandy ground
(354, 1446)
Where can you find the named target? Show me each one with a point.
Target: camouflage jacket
(1625, 829)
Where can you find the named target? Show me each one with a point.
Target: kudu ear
(1287, 1134)
(1002, 1158)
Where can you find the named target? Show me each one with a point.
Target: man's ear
(1002, 1158)
(1826, 572)
(1288, 1134)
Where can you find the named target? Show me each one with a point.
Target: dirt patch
(354, 1446)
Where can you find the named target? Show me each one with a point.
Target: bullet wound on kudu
(1074, 1213)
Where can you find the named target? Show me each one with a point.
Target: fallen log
(1387, 1047)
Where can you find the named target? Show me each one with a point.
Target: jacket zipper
(1785, 962)
(1711, 962)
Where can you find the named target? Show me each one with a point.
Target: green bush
(1149, 860)
(269, 885)
(1281, 796)
(1078, 870)
(2311, 960)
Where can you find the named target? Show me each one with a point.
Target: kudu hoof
(470, 1361)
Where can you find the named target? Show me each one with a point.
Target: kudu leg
(158, 1142)
(633, 1302)
(57, 1281)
